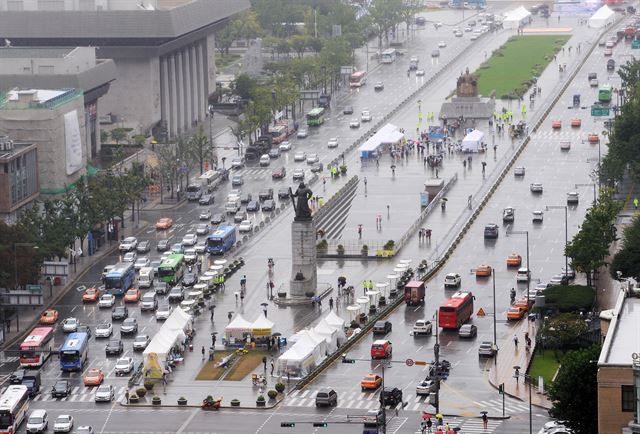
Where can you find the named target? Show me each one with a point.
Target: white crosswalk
(357, 400)
(256, 171)
(471, 425)
(494, 406)
(79, 394)
(575, 135)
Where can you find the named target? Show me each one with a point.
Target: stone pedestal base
(304, 278)
(469, 107)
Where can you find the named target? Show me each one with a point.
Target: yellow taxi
(371, 382)
(514, 260)
(483, 270)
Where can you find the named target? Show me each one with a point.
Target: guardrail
(335, 199)
(137, 375)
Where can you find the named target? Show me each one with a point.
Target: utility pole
(436, 355)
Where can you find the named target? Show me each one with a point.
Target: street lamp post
(566, 234)
(527, 378)
(528, 267)
(495, 334)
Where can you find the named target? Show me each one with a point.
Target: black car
(218, 218)
(382, 327)
(164, 245)
(283, 193)
(491, 231)
(144, 246)
(253, 206)
(176, 294)
(265, 194)
(60, 389)
(120, 312)
(245, 198)
(269, 205)
(189, 279)
(317, 167)
(84, 329)
(206, 199)
(114, 346)
(348, 110)
(391, 396)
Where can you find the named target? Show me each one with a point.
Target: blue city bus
(73, 354)
(221, 240)
(120, 278)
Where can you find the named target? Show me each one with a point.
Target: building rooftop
(21, 99)
(623, 336)
(35, 52)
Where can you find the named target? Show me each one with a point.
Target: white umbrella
(392, 276)
(373, 295)
(216, 267)
(364, 302)
(353, 310)
(402, 265)
(220, 261)
(406, 261)
(398, 270)
(383, 286)
(210, 273)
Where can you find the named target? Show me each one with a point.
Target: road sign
(409, 362)
(635, 43)
(599, 111)
(481, 312)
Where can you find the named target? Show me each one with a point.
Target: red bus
(358, 79)
(456, 310)
(36, 347)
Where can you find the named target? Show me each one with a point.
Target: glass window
(628, 398)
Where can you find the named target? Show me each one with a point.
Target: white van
(232, 206)
(145, 279)
(522, 275)
(38, 421)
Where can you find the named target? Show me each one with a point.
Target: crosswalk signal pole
(501, 391)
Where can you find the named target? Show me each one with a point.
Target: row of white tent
(311, 346)
(239, 328)
(173, 332)
(521, 16)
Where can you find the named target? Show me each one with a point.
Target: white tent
(262, 326)
(312, 339)
(387, 135)
(472, 141)
(335, 321)
(296, 362)
(517, 18)
(237, 329)
(172, 333)
(329, 333)
(603, 17)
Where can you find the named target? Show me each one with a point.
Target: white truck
(145, 278)
(206, 183)
(232, 206)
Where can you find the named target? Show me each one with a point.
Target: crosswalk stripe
(305, 393)
(294, 394)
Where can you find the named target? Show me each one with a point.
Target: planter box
(182, 402)
(235, 403)
(156, 401)
(282, 295)
(261, 403)
(134, 399)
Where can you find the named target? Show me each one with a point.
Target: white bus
(209, 180)
(14, 405)
(358, 79)
(389, 56)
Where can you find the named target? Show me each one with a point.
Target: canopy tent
(296, 362)
(172, 333)
(472, 141)
(237, 329)
(602, 17)
(329, 333)
(385, 136)
(517, 18)
(338, 323)
(311, 338)
(262, 326)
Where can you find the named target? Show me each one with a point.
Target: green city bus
(604, 93)
(315, 117)
(171, 269)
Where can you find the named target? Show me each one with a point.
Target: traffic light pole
(436, 356)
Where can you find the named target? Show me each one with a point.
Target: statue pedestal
(303, 253)
(470, 107)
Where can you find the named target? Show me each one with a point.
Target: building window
(46, 69)
(15, 5)
(628, 398)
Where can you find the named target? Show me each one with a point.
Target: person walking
(635, 203)
(515, 341)
(273, 367)
(243, 282)
(203, 352)
(264, 309)
(485, 421)
(331, 303)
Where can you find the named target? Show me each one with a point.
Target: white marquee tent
(387, 135)
(329, 333)
(517, 18)
(472, 141)
(262, 326)
(237, 329)
(172, 332)
(602, 17)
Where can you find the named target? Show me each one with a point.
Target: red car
(279, 173)
(91, 295)
(164, 223)
(49, 316)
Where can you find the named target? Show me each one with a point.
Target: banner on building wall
(73, 142)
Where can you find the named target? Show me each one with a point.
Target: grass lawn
(545, 364)
(511, 67)
(246, 364)
(209, 371)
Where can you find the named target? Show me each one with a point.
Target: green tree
(299, 44)
(385, 14)
(118, 134)
(199, 145)
(243, 85)
(167, 167)
(246, 26)
(627, 259)
(630, 75)
(104, 136)
(19, 264)
(574, 388)
(224, 39)
(562, 331)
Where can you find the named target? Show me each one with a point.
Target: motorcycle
(211, 403)
(258, 380)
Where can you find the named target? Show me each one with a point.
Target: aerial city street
(285, 243)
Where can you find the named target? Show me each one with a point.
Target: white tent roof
(387, 134)
(171, 332)
(262, 323)
(602, 17)
(323, 327)
(333, 319)
(239, 323)
(517, 14)
(473, 136)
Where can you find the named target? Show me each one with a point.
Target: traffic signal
(321, 424)
(287, 424)
(501, 388)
